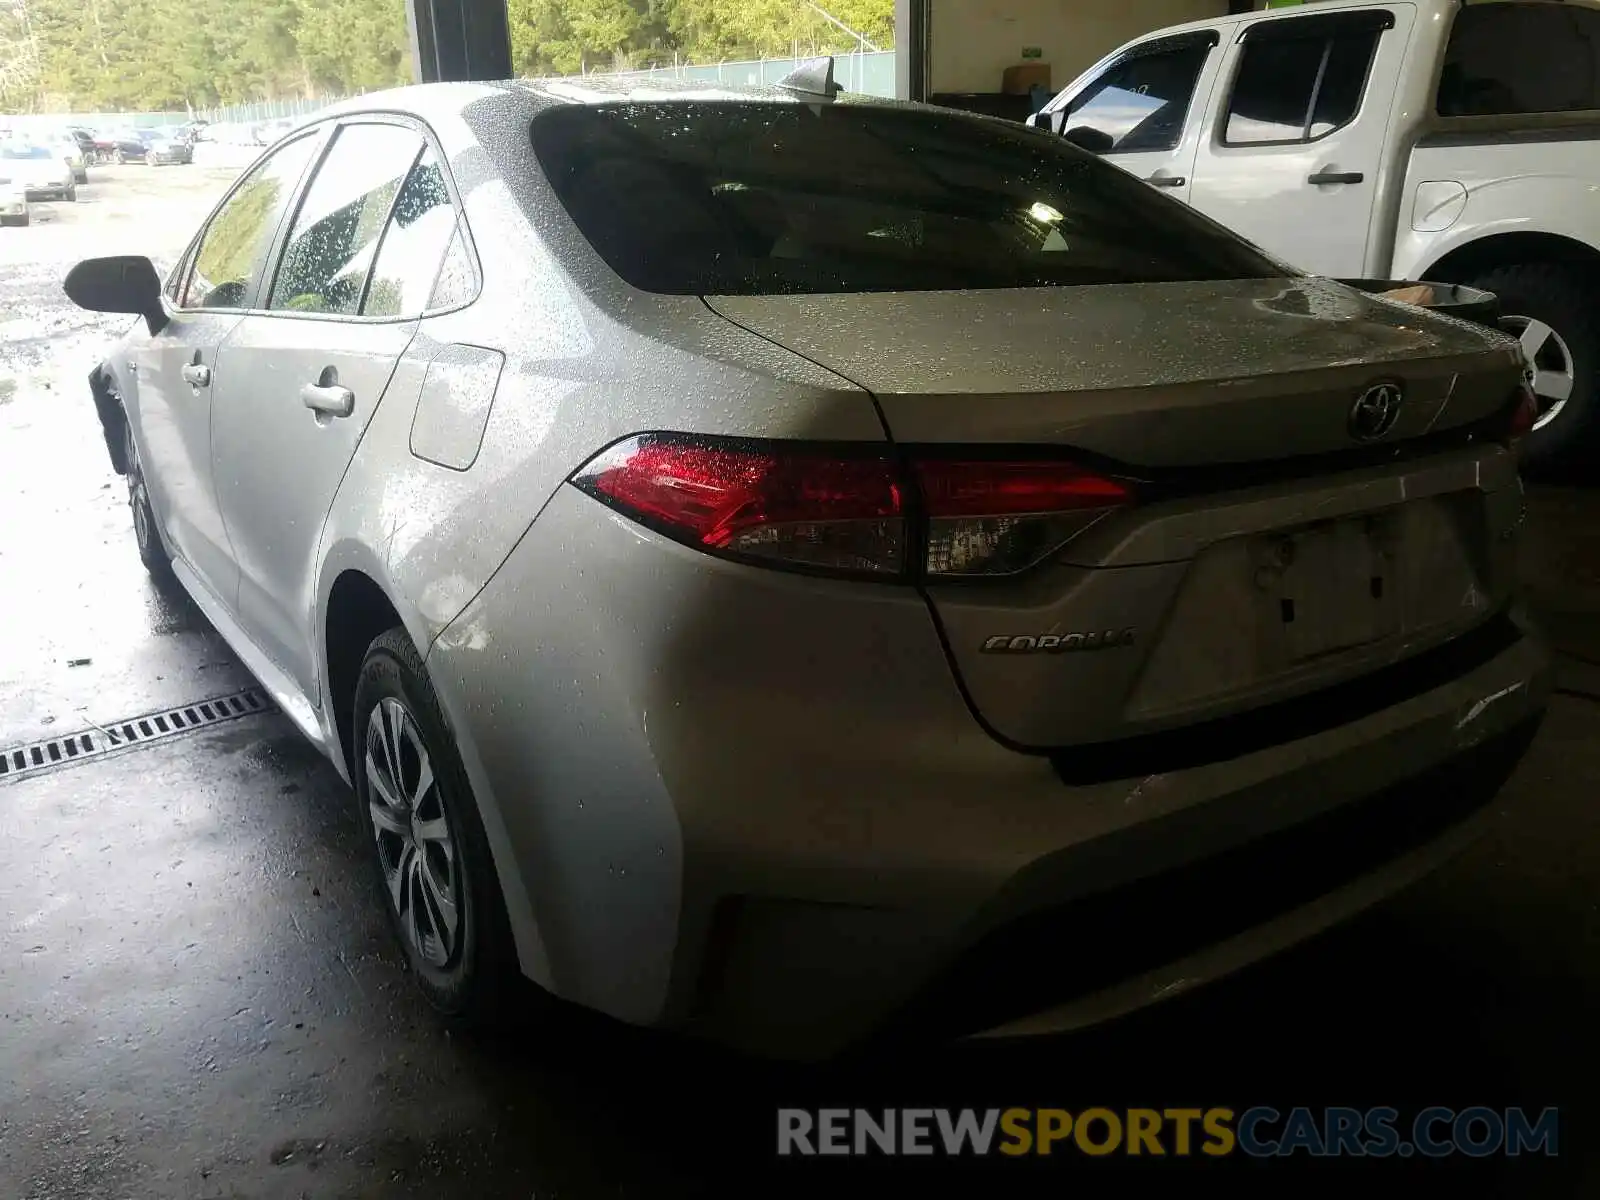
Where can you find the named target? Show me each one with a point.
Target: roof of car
(430, 99)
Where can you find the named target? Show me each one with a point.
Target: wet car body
(814, 625)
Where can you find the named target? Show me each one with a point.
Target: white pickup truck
(1409, 140)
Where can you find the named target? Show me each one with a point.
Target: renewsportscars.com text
(1259, 1132)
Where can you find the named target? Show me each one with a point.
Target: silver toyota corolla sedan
(792, 568)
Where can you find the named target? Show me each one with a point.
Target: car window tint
(335, 235)
(1300, 88)
(457, 279)
(1140, 103)
(235, 244)
(755, 198)
(414, 244)
(1510, 59)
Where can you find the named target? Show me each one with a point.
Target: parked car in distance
(13, 200)
(1439, 141)
(40, 169)
(162, 146)
(785, 569)
(72, 154)
(268, 132)
(119, 146)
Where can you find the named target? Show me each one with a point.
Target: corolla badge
(1375, 411)
(1057, 643)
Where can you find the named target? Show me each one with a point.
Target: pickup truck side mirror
(124, 283)
(1095, 141)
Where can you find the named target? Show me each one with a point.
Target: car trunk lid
(1267, 549)
(1149, 375)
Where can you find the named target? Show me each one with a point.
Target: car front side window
(234, 247)
(1141, 102)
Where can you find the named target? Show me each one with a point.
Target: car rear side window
(1514, 59)
(234, 247)
(335, 236)
(752, 198)
(458, 279)
(414, 243)
(1300, 81)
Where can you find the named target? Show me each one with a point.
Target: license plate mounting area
(1329, 587)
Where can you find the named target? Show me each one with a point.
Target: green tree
(353, 45)
(563, 37)
(92, 55)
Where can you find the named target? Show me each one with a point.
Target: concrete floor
(198, 997)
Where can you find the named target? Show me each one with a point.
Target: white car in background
(13, 200)
(66, 146)
(43, 174)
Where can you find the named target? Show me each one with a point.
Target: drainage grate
(151, 727)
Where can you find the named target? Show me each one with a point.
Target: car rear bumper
(755, 806)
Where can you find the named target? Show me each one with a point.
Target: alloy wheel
(1549, 368)
(416, 851)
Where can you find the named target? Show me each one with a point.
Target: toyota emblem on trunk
(1375, 411)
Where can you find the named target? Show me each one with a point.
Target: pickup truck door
(1296, 138)
(1140, 100)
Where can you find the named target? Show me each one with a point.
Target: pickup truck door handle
(1336, 177)
(197, 375)
(1165, 180)
(335, 401)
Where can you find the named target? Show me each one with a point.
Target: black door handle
(1166, 180)
(1336, 177)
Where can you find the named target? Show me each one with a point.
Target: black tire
(1563, 298)
(145, 532)
(475, 977)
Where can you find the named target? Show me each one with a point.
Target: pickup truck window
(1299, 89)
(1140, 102)
(1513, 59)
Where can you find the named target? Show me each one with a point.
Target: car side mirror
(123, 283)
(1095, 141)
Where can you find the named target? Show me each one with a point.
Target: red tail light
(803, 508)
(843, 512)
(997, 518)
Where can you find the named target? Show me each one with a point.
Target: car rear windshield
(759, 198)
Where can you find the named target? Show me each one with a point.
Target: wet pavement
(198, 997)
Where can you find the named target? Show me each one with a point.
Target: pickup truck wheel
(1551, 310)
